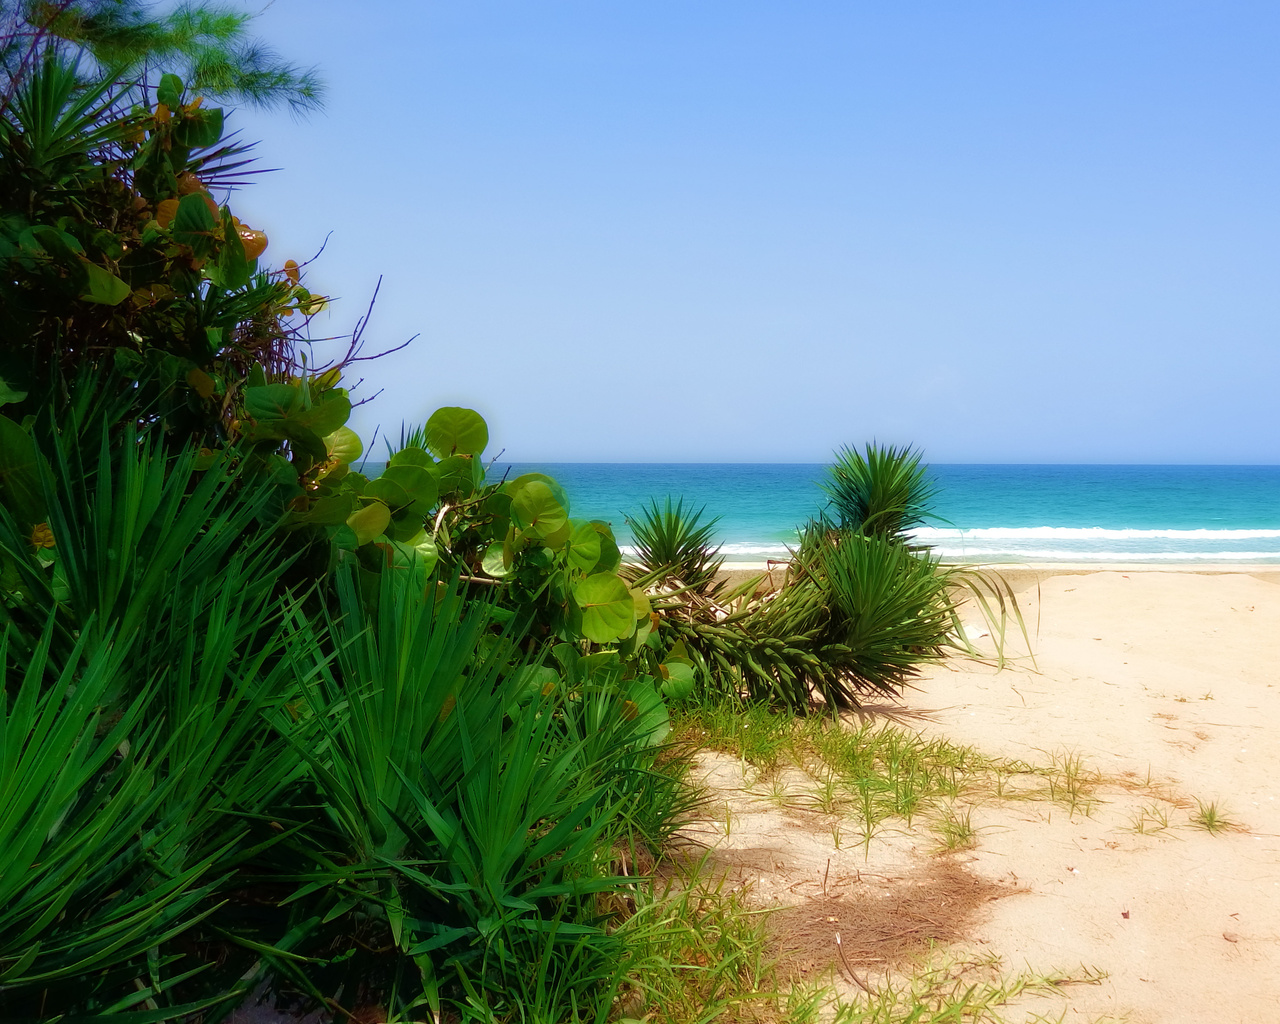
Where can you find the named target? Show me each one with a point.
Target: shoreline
(1024, 574)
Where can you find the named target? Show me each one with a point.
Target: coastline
(1022, 575)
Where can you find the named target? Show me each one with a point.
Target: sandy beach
(1162, 687)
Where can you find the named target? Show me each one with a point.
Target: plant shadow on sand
(835, 911)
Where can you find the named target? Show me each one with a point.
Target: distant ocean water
(998, 513)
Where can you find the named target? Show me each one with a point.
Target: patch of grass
(1149, 820)
(955, 830)
(696, 950)
(1212, 818)
(700, 952)
(829, 796)
(956, 990)
(778, 792)
(1070, 783)
(753, 733)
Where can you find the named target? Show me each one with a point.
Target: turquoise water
(985, 513)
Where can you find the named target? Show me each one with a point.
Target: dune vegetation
(392, 746)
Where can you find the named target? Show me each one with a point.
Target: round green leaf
(608, 609)
(328, 411)
(103, 286)
(536, 511)
(584, 546)
(610, 556)
(344, 444)
(272, 401)
(646, 709)
(513, 488)
(412, 457)
(388, 491)
(459, 473)
(369, 522)
(557, 539)
(328, 511)
(9, 392)
(534, 681)
(495, 561)
(169, 91)
(418, 552)
(419, 483)
(455, 431)
(678, 683)
(404, 525)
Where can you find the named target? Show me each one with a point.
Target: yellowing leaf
(255, 242)
(369, 522)
(329, 379)
(166, 210)
(201, 383)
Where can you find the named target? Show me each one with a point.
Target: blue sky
(749, 231)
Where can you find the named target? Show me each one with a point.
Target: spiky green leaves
(674, 544)
(882, 490)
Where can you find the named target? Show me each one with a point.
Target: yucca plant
(861, 609)
(674, 546)
(890, 607)
(127, 527)
(881, 490)
(118, 828)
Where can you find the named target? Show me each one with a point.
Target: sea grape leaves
(608, 608)
(535, 508)
(456, 431)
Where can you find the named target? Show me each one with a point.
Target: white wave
(1093, 555)
(933, 534)
(733, 552)
(753, 549)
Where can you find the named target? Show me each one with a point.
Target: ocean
(997, 513)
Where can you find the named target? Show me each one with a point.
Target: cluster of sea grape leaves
(432, 506)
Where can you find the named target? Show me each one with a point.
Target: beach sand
(1164, 688)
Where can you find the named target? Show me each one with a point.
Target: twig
(481, 579)
(845, 960)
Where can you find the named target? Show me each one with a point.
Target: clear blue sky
(672, 230)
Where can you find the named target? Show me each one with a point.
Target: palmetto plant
(142, 668)
(468, 811)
